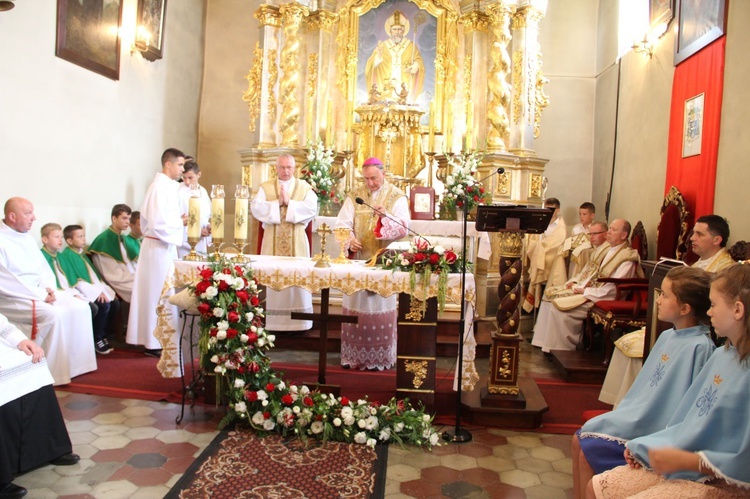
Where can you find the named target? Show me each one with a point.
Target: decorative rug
(239, 463)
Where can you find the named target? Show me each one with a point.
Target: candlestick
(194, 216)
(217, 218)
(431, 141)
(240, 219)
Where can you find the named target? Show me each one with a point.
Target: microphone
(402, 224)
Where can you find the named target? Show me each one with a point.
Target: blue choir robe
(712, 420)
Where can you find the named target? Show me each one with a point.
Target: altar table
(282, 272)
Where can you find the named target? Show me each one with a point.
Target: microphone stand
(458, 434)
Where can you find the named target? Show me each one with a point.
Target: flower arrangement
(460, 184)
(317, 173)
(234, 344)
(423, 259)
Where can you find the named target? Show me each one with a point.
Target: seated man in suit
(560, 320)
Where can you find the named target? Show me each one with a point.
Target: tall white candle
(194, 218)
(217, 218)
(240, 218)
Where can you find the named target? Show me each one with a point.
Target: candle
(329, 127)
(431, 141)
(240, 218)
(194, 218)
(217, 218)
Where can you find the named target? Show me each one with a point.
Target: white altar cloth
(282, 272)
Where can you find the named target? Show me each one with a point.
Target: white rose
(371, 442)
(215, 359)
(336, 422)
(243, 338)
(222, 325)
(296, 409)
(425, 418)
(434, 438)
(346, 411)
(221, 335)
(281, 386)
(348, 421)
(264, 403)
(361, 423)
(268, 424)
(249, 316)
(210, 292)
(262, 395)
(439, 249)
(360, 437)
(270, 339)
(293, 389)
(261, 342)
(398, 426)
(220, 369)
(305, 390)
(240, 407)
(258, 418)
(385, 434)
(317, 427)
(372, 423)
(238, 383)
(238, 283)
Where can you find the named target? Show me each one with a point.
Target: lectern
(512, 221)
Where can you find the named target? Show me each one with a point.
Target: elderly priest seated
(561, 315)
(32, 430)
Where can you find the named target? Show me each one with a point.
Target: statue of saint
(396, 58)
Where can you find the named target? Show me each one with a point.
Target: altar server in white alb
(371, 343)
(190, 178)
(32, 429)
(285, 206)
(163, 225)
(59, 322)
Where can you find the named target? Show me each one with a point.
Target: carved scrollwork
(419, 369)
(252, 95)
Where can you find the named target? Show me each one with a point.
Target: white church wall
(75, 142)
(568, 40)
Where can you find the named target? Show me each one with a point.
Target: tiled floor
(133, 448)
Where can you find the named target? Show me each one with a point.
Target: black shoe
(66, 460)
(12, 491)
(102, 347)
(156, 352)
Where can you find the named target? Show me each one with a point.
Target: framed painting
(151, 17)
(660, 12)
(692, 130)
(700, 23)
(88, 35)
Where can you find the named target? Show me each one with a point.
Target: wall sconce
(142, 40)
(644, 46)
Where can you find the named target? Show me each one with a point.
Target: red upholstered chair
(628, 309)
(672, 234)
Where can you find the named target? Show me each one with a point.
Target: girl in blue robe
(705, 449)
(675, 360)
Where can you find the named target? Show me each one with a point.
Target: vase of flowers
(234, 345)
(422, 261)
(319, 173)
(460, 185)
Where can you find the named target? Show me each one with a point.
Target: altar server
(163, 225)
(115, 255)
(190, 178)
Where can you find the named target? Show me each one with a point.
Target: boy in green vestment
(85, 278)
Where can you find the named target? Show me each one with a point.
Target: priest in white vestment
(285, 206)
(541, 251)
(59, 322)
(116, 255)
(32, 429)
(163, 225)
(371, 343)
(560, 319)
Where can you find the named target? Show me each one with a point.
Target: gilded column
(292, 15)
(499, 88)
(528, 95)
(319, 71)
(261, 90)
(475, 25)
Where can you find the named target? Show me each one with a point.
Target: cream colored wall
(733, 168)
(567, 134)
(75, 142)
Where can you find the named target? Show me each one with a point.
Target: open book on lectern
(518, 218)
